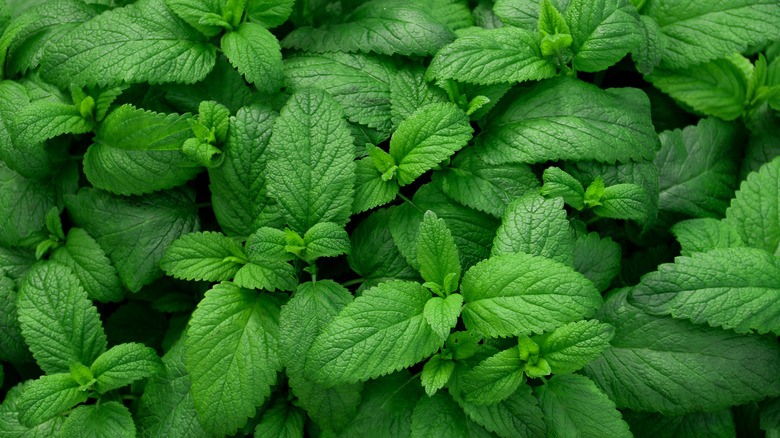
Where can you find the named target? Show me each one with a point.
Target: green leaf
(88, 261)
(597, 259)
(9, 417)
(574, 406)
(569, 119)
(574, 345)
(436, 373)
(311, 172)
(669, 366)
(205, 256)
(224, 84)
(359, 82)
(559, 183)
(326, 239)
(755, 210)
(516, 416)
(24, 203)
(622, 201)
(270, 13)
(110, 418)
(410, 91)
(124, 364)
(141, 42)
(12, 345)
(380, 26)
(517, 294)
(718, 88)
(268, 276)
(267, 245)
(194, 11)
(394, 334)
(166, 407)
(436, 253)
(371, 190)
(440, 416)
(703, 235)
(48, 396)
(551, 21)
(233, 339)
(602, 33)
(652, 45)
(733, 288)
(536, 226)
(332, 408)
(524, 13)
(718, 424)
(43, 120)
(503, 55)
(430, 135)
(238, 187)
(31, 160)
(282, 420)
(495, 378)
(710, 29)
(135, 231)
(442, 313)
(486, 187)
(255, 52)
(58, 321)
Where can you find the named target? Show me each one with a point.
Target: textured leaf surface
(703, 235)
(24, 203)
(513, 294)
(442, 313)
(268, 276)
(572, 120)
(440, 416)
(312, 171)
(255, 52)
(574, 406)
(383, 330)
(597, 259)
(135, 231)
(12, 345)
(46, 397)
(503, 55)
(572, 346)
(409, 91)
(326, 239)
(623, 201)
(370, 190)
(88, 261)
(755, 210)
(95, 421)
(495, 378)
(43, 120)
(141, 42)
(202, 256)
(9, 417)
(270, 13)
(232, 342)
(674, 367)
(734, 288)
(516, 416)
(58, 321)
(124, 364)
(436, 251)
(602, 32)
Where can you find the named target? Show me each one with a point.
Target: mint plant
(333, 218)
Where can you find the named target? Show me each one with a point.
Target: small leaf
(436, 252)
(326, 239)
(255, 52)
(99, 420)
(442, 313)
(124, 364)
(572, 346)
(495, 378)
(48, 396)
(436, 373)
(205, 256)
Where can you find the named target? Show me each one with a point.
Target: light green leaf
(282, 420)
(255, 52)
(393, 335)
(430, 135)
(59, 322)
(494, 379)
(652, 45)
(574, 406)
(88, 261)
(326, 239)
(436, 373)
(193, 11)
(267, 276)
(370, 189)
(311, 172)
(233, 339)
(514, 294)
(270, 13)
(668, 365)
(569, 119)
(208, 256)
(733, 288)
(267, 245)
(572, 346)
(755, 210)
(9, 417)
(486, 187)
(703, 235)
(503, 55)
(410, 91)
(141, 42)
(602, 32)
(699, 32)
(437, 254)
(110, 418)
(124, 364)
(597, 259)
(135, 231)
(622, 201)
(43, 120)
(48, 396)
(380, 26)
(536, 226)
(442, 313)
(31, 160)
(517, 416)
(559, 183)
(718, 424)
(524, 13)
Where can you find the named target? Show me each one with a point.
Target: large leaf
(48, 396)
(255, 52)
(110, 418)
(755, 211)
(86, 258)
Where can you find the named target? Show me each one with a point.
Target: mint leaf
(597, 259)
(622, 201)
(518, 414)
(703, 235)
(559, 183)
(59, 323)
(486, 187)
(88, 261)
(233, 337)
(206, 256)
(536, 226)
(24, 203)
(194, 11)
(571, 120)
(124, 364)
(371, 190)
(282, 420)
(442, 313)
(495, 378)
(326, 239)
(268, 276)
(388, 314)
(134, 231)
(602, 34)
(31, 160)
(524, 13)
(43, 120)
(12, 345)
(573, 405)
(94, 421)
(428, 136)
(755, 210)
(311, 170)
(511, 294)
(436, 373)
(718, 424)
(267, 245)
(9, 416)
(255, 52)
(668, 365)
(151, 45)
(48, 396)
(652, 45)
(409, 91)
(270, 13)
(733, 288)
(437, 254)
(504, 55)
(439, 415)
(380, 26)
(572, 346)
